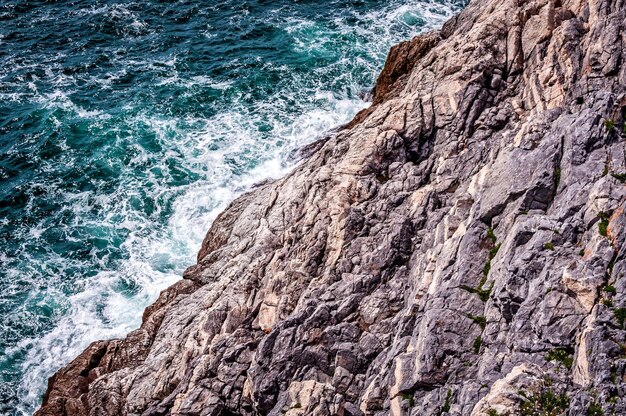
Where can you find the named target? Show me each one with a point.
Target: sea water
(127, 126)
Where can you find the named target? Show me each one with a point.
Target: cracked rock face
(458, 249)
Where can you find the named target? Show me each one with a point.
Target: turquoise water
(125, 127)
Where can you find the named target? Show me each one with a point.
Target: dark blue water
(125, 127)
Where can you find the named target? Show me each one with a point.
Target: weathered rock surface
(458, 249)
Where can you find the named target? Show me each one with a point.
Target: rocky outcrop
(458, 249)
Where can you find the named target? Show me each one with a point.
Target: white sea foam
(101, 311)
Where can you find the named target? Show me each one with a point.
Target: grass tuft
(620, 315)
(409, 398)
(603, 225)
(608, 288)
(619, 176)
(561, 356)
(478, 341)
(609, 124)
(480, 320)
(595, 409)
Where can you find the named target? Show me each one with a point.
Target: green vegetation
(619, 176)
(480, 290)
(478, 341)
(494, 251)
(581, 252)
(562, 356)
(609, 288)
(492, 412)
(480, 320)
(409, 398)
(620, 315)
(546, 403)
(446, 405)
(603, 225)
(548, 246)
(482, 293)
(492, 254)
(595, 410)
(609, 124)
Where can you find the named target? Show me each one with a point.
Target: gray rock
(457, 249)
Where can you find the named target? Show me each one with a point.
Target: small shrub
(409, 398)
(562, 356)
(491, 235)
(595, 410)
(620, 315)
(603, 228)
(609, 124)
(608, 288)
(548, 246)
(608, 303)
(603, 225)
(478, 341)
(546, 403)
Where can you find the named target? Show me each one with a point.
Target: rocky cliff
(457, 249)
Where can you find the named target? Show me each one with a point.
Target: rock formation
(457, 249)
